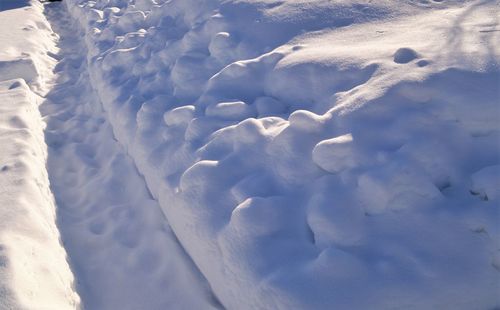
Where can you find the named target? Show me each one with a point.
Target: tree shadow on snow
(457, 35)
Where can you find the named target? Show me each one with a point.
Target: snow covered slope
(33, 267)
(313, 153)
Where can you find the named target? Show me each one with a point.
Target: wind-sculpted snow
(314, 154)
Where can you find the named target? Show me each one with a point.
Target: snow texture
(313, 154)
(33, 266)
(305, 154)
(121, 248)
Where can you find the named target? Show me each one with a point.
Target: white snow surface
(34, 272)
(121, 250)
(314, 154)
(33, 267)
(305, 154)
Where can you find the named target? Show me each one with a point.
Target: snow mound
(33, 268)
(404, 55)
(313, 154)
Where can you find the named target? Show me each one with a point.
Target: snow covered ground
(33, 266)
(120, 247)
(122, 250)
(306, 154)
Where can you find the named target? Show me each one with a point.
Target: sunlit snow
(249, 154)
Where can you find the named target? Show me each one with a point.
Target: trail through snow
(122, 250)
(297, 154)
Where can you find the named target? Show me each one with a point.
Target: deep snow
(307, 154)
(33, 266)
(122, 250)
(311, 154)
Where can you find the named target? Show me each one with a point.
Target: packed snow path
(123, 253)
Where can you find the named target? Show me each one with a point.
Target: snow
(117, 251)
(121, 248)
(486, 182)
(305, 154)
(33, 266)
(322, 149)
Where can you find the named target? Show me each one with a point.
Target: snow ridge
(33, 266)
(311, 154)
(121, 248)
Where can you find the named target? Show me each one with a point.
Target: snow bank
(123, 253)
(311, 154)
(33, 266)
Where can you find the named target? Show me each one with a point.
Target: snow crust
(314, 154)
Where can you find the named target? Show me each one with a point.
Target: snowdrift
(314, 154)
(33, 266)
